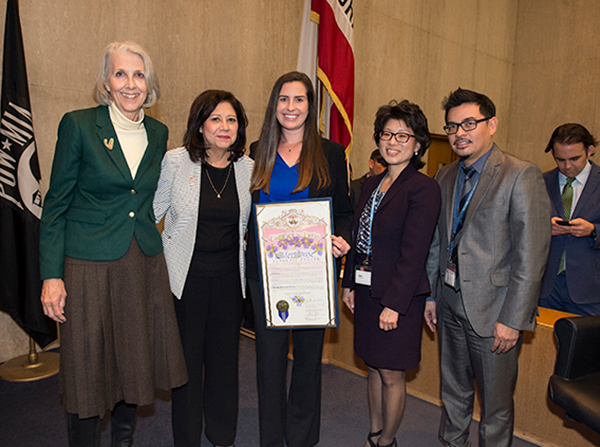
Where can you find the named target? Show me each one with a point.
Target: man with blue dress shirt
(485, 268)
(572, 279)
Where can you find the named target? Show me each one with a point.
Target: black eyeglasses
(467, 125)
(401, 137)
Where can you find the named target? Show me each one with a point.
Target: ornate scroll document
(296, 263)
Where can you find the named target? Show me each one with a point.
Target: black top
(217, 237)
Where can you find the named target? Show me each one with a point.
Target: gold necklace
(218, 193)
(291, 146)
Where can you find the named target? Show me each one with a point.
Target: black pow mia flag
(20, 199)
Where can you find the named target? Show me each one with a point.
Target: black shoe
(122, 424)
(371, 436)
(83, 432)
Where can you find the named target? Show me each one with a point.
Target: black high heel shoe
(371, 436)
(393, 444)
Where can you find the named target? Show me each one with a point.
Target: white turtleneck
(132, 137)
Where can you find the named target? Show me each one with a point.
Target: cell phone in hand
(566, 223)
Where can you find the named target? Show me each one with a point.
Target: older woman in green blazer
(103, 270)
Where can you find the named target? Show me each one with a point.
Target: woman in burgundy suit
(385, 283)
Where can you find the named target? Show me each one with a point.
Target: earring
(416, 152)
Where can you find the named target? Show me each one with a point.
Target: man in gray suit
(572, 279)
(485, 268)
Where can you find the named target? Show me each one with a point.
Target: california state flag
(327, 54)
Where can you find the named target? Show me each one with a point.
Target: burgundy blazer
(402, 230)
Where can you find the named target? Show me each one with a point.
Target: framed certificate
(296, 262)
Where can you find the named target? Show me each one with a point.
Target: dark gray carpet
(30, 414)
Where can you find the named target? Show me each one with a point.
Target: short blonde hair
(102, 96)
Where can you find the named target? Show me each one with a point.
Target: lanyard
(373, 203)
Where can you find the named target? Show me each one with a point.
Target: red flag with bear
(334, 64)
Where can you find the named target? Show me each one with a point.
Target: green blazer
(94, 207)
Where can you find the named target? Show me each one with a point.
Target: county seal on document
(296, 262)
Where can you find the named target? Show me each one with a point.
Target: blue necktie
(469, 171)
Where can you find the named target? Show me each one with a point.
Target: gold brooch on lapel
(109, 144)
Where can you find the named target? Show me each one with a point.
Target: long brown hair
(312, 158)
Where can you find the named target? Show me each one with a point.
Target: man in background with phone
(572, 279)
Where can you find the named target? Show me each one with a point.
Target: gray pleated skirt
(120, 340)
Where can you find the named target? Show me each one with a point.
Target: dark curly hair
(413, 117)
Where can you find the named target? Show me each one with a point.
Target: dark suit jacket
(503, 246)
(401, 235)
(355, 190)
(94, 207)
(583, 253)
(337, 190)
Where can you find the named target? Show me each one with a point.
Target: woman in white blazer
(203, 194)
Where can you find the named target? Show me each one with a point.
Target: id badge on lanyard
(450, 275)
(362, 273)
(451, 267)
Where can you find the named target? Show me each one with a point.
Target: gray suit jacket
(504, 243)
(177, 198)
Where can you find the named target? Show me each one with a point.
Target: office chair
(575, 385)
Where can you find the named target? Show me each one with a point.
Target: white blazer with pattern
(177, 198)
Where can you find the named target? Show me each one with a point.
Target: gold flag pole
(29, 367)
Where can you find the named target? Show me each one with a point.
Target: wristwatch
(593, 234)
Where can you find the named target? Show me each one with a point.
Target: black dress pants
(295, 417)
(209, 317)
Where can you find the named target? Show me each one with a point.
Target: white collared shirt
(578, 185)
